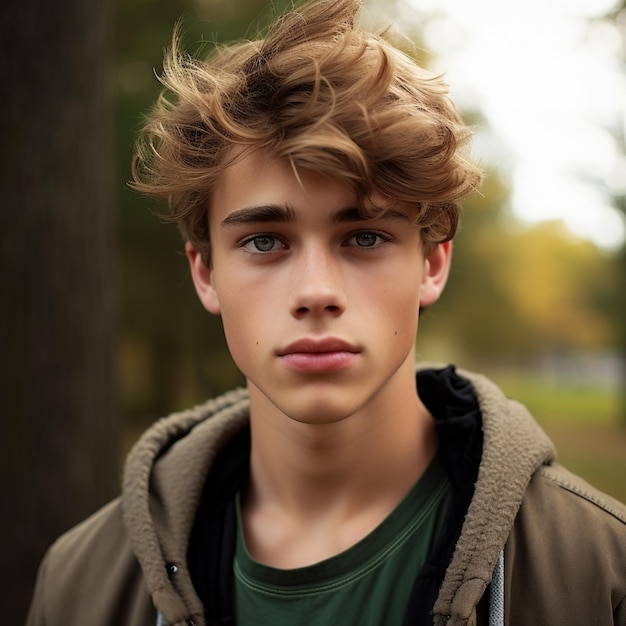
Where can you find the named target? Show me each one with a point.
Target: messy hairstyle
(321, 93)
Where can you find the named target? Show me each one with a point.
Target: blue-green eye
(263, 243)
(366, 239)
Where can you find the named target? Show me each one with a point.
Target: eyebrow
(260, 214)
(278, 213)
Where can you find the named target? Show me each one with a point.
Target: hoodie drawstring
(496, 594)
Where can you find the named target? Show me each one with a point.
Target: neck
(347, 474)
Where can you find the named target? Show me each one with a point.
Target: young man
(316, 177)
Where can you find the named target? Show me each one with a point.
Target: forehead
(258, 179)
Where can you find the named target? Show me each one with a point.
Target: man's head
(323, 95)
(319, 303)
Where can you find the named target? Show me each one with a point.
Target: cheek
(396, 314)
(239, 344)
(247, 326)
(236, 320)
(406, 312)
(399, 298)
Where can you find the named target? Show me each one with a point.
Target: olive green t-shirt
(367, 585)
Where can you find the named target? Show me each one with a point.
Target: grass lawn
(586, 425)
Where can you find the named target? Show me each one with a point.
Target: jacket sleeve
(91, 576)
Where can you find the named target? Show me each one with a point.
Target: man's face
(319, 306)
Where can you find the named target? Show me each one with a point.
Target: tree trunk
(58, 430)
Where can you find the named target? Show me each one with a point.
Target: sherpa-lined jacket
(537, 544)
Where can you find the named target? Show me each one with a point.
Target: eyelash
(380, 239)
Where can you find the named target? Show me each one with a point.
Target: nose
(317, 285)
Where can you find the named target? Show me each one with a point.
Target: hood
(514, 448)
(163, 479)
(166, 470)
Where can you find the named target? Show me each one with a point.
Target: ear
(436, 269)
(202, 276)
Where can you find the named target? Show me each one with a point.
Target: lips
(318, 346)
(319, 355)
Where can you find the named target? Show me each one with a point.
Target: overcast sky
(550, 83)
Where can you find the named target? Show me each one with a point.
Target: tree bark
(58, 431)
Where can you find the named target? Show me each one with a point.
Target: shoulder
(572, 519)
(106, 522)
(580, 495)
(566, 556)
(90, 575)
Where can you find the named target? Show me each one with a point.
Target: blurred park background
(100, 329)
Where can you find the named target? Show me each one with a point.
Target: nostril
(305, 310)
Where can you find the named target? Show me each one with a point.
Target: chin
(319, 414)
(318, 420)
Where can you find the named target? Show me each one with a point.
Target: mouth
(318, 346)
(319, 355)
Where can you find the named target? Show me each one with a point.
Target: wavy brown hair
(321, 93)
